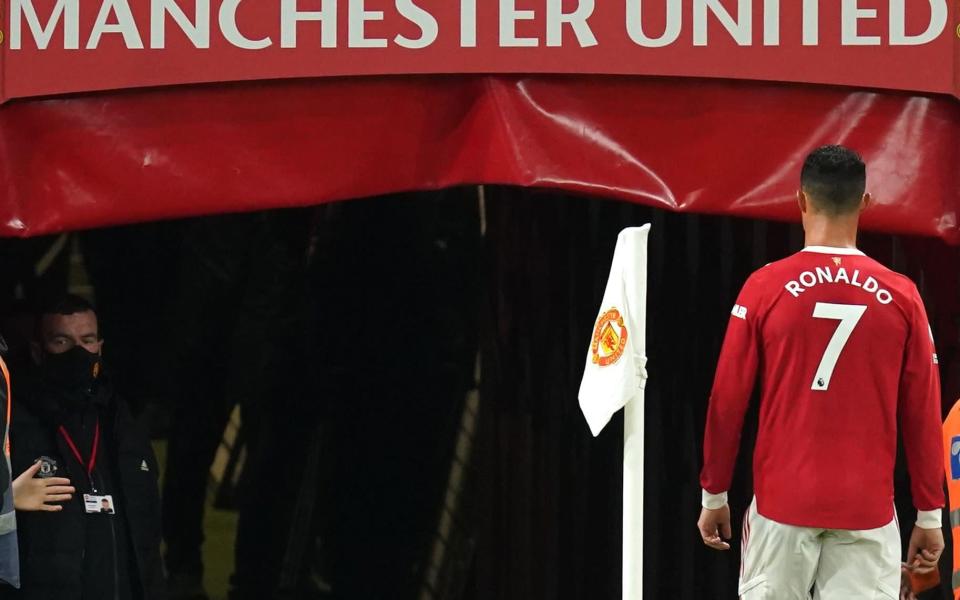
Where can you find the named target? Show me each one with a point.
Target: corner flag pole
(614, 377)
(635, 282)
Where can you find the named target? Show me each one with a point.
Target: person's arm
(729, 398)
(922, 438)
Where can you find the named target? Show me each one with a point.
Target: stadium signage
(57, 46)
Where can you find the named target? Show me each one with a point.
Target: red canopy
(687, 145)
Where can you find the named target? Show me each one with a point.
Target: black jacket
(53, 544)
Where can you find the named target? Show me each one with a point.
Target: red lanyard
(93, 451)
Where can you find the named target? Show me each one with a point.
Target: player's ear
(802, 201)
(865, 202)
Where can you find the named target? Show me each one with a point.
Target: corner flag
(615, 377)
(615, 370)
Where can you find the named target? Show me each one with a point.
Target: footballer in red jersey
(844, 357)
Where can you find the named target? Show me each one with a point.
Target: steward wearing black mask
(68, 419)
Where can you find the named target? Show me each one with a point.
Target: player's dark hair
(834, 178)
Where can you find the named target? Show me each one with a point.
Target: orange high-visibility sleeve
(951, 463)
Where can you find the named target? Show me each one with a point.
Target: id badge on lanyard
(94, 502)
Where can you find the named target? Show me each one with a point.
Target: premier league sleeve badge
(48, 467)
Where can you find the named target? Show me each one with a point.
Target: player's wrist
(713, 501)
(930, 519)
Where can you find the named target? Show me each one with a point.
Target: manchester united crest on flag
(609, 338)
(613, 373)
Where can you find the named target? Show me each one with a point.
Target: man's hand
(926, 545)
(714, 527)
(34, 494)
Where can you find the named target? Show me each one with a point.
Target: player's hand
(924, 551)
(714, 526)
(30, 493)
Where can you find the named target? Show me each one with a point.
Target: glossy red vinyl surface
(688, 145)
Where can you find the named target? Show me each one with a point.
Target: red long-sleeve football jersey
(843, 350)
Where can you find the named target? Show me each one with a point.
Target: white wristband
(713, 501)
(930, 519)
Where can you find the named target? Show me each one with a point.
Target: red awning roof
(704, 146)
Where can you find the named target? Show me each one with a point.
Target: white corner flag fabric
(615, 372)
(615, 377)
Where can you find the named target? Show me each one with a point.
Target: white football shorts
(783, 562)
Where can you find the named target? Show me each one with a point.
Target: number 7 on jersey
(848, 315)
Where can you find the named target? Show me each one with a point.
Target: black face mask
(73, 370)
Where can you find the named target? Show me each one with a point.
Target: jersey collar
(829, 250)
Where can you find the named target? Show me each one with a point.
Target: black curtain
(395, 288)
